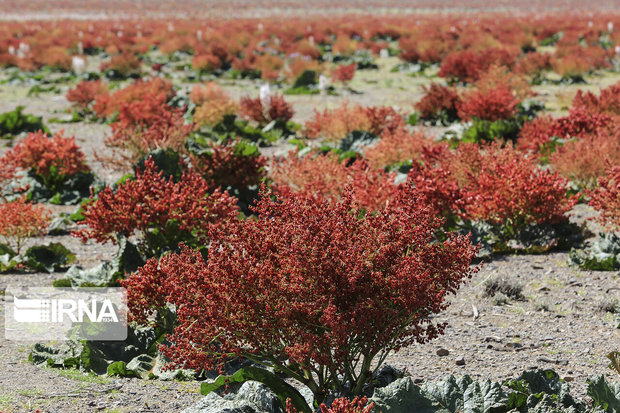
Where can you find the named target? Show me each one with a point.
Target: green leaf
(166, 160)
(307, 78)
(603, 254)
(604, 395)
(15, 122)
(356, 141)
(127, 260)
(484, 397)
(48, 258)
(448, 393)
(281, 388)
(541, 381)
(404, 396)
(119, 368)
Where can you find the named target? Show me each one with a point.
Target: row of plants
(277, 50)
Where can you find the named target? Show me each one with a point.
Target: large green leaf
(281, 388)
(166, 160)
(48, 258)
(403, 396)
(119, 368)
(127, 260)
(603, 394)
(15, 122)
(603, 254)
(448, 393)
(484, 397)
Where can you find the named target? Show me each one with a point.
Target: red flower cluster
(228, 166)
(606, 198)
(148, 124)
(583, 159)
(340, 405)
(493, 184)
(510, 189)
(344, 73)
(608, 100)
(21, 219)
(395, 147)
(310, 287)
(213, 104)
(275, 109)
(163, 211)
(123, 64)
(581, 121)
(86, 92)
(494, 104)
(468, 65)
(206, 63)
(160, 89)
(337, 124)
(328, 178)
(533, 64)
(52, 159)
(438, 98)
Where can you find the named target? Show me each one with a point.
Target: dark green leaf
(48, 258)
(281, 388)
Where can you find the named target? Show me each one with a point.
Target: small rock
(460, 361)
(495, 339)
(442, 352)
(568, 379)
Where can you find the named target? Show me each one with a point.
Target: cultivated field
(320, 189)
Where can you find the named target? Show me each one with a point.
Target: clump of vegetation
(314, 313)
(504, 286)
(15, 122)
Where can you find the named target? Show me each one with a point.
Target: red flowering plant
(228, 165)
(467, 65)
(327, 177)
(583, 159)
(334, 125)
(439, 104)
(543, 135)
(85, 93)
(106, 105)
(397, 147)
(494, 104)
(608, 100)
(510, 190)
(122, 65)
(51, 161)
(20, 219)
(145, 125)
(316, 289)
(273, 109)
(344, 73)
(606, 198)
(213, 105)
(159, 210)
(494, 185)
